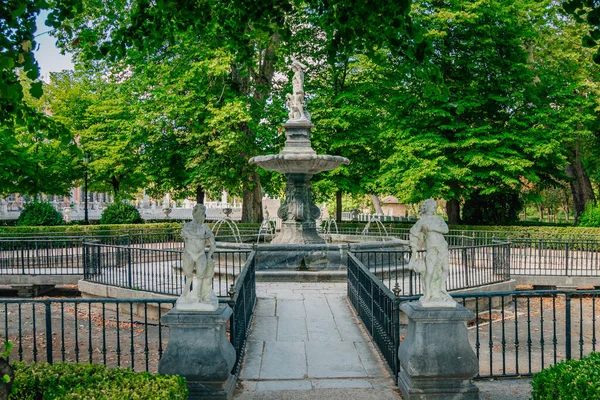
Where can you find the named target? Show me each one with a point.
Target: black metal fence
(378, 309)
(516, 333)
(154, 270)
(243, 302)
(555, 257)
(41, 256)
(469, 266)
(114, 332)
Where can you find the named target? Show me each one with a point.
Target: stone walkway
(306, 343)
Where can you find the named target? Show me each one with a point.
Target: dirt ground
(519, 338)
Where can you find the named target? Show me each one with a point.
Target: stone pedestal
(198, 350)
(436, 359)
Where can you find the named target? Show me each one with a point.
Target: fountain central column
(298, 212)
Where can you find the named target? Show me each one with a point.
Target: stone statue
(198, 263)
(428, 234)
(295, 100)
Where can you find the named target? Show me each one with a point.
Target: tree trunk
(338, 206)
(541, 208)
(200, 194)
(581, 187)
(115, 183)
(252, 200)
(376, 204)
(453, 211)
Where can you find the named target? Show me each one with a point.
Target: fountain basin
(311, 259)
(299, 163)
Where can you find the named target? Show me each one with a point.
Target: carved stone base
(293, 232)
(198, 350)
(436, 359)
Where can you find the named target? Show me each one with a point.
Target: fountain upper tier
(304, 163)
(298, 157)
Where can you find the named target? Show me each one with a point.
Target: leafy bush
(39, 214)
(591, 216)
(121, 213)
(88, 381)
(572, 379)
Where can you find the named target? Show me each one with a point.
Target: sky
(48, 55)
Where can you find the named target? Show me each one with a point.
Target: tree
(470, 133)
(39, 155)
(98, 110)
(567, 92)
(587, 12)
(252, 36)
(17, 59)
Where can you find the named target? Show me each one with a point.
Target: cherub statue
(295, 100)
(198, 263)
(428, 234)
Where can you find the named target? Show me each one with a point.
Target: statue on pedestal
(198, 263)
(428, 234)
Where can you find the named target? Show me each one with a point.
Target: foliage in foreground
(572, 379)
(39, 214)
(121, 213)
(591, 216)
(88, 381)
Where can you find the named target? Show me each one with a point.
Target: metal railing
(469, 266)
(515, 333)
(154, 270)
(114, 332)
(555, 257)
(378, 308)
(41, 256)
(243, 302)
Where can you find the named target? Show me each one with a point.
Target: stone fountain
(298, 162)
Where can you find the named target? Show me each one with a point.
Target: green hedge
(569, 380)
(87, 381)
(500, 231)
(99, 230)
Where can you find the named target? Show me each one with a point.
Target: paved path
(306, 343)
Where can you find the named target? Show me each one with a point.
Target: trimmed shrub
(572, 380)
(121, 213)
(591, 216)
(88, 381)
(39, 214)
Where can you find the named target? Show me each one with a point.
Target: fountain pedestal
(298, 162)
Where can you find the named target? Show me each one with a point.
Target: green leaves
(7, 349)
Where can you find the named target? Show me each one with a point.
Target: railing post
(23, 259)
(568, 326)
(85, 261)
(48, 333)
(567, 258)
(466, 265)
(396, 322)
(129, 271)
(232, 320)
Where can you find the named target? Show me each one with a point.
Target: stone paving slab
(283, 360)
